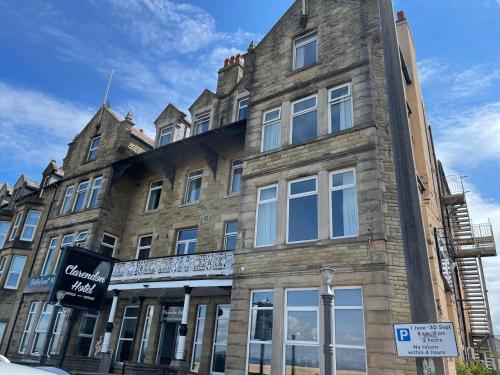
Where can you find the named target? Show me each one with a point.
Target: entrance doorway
(167, 344)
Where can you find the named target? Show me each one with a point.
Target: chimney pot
(401, 16)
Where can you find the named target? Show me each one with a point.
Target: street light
(327, 295)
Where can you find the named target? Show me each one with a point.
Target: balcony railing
(181, 266)
(455, 184)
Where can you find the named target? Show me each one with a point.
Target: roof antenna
(105, 102)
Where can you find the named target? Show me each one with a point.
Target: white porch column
(181, 344)
(109, 324)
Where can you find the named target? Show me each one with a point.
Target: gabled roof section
(5, 188)
(139, 133)
(206, 95)
(106, 111)
(52, 168)
(26, 182)
(171, 113)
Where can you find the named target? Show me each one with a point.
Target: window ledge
(190, 204)
(232, 195)
(151, 211)
(295, 71)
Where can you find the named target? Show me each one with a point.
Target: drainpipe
(181, 345)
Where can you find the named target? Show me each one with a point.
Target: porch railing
(181, 266)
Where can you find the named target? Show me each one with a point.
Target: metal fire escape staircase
(471, 243)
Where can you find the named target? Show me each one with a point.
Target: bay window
(343, 204)
(301, 339)
(302, 210)
(15, 227)
(260, 333)
(266, 216)
(15, 272)
(81, 194)
(4, 228)
(66, 204)
(271, 129)
(340, 103)
(304, 120)
(30, 225)
(94, 193)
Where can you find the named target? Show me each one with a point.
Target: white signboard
(425, 340)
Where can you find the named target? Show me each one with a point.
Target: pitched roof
(139, 133)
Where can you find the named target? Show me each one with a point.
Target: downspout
(418, 275)
(57, 184)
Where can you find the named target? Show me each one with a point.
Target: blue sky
(56, 56)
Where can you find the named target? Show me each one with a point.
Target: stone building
(313, 152)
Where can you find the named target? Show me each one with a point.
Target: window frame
(250, 311)
(113, 248)
(285, 324)
(303, 112)
(5, 286)
(68, 195)
(139, 247)
(92, 148)
(80, 191)
(3, 263)
(47, 309)
(270, 123)
(72, 235)
(343, 187)
(119, 338)
(200, 119)
(148, 319)
(302, 44)
(342, 99)
(6, 226)
(362, 308)
(50, 256)
(164, 130)
(28, 225)
(28, 327)
(185, 242)
(240, 107)
(214, 344)
(301, 195)
(189, 180)
(93, 191)
(257, 210)
(15, 225)
(151, 189)
(235, 164)
(86, 335)
(230, 234)
(84, 234)
(195, 335)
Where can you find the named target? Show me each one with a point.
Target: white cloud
(36, 126)
(428, 70)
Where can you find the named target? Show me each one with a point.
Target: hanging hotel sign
(83, 276)
(425, 340)
(39, 284)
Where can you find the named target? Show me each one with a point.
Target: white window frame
(86, 335)
(270, 123)
(15, 225)
(197, 327)
(51, 254)
(230, 234)
(344, 98)
(337, 188)
(240, 107)
(235, 164)
(5, 286)
(303, 112)
(45, 311)
(151, 189)
(192, 176)
(163, 132)
(121, 329)
(28, 327)
(113, 248)
(146, 332)
(27, 225)
(201, 118)
(3, 263)
(362, 308)
(251, 310)
(56, 332)
(82, 240)
(214, 344)
(80, 191)
(67, 197)
(62, 245)
(185, 243)
(302, 44)
(95, 191)
(301, 195)
(285, 324)
(3, 327)
(93, 148)
(139, 247)
(6, 226)
(259, 202)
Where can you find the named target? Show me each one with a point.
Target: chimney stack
(401, 16)
(230, 74)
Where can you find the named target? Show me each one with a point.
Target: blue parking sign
(403, 334)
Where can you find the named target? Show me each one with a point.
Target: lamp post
(327, 295)
(50, 329)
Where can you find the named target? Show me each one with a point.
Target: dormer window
(202, 123)
(166, 136)
(94, 146)
(243, 109)
(305, 51)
